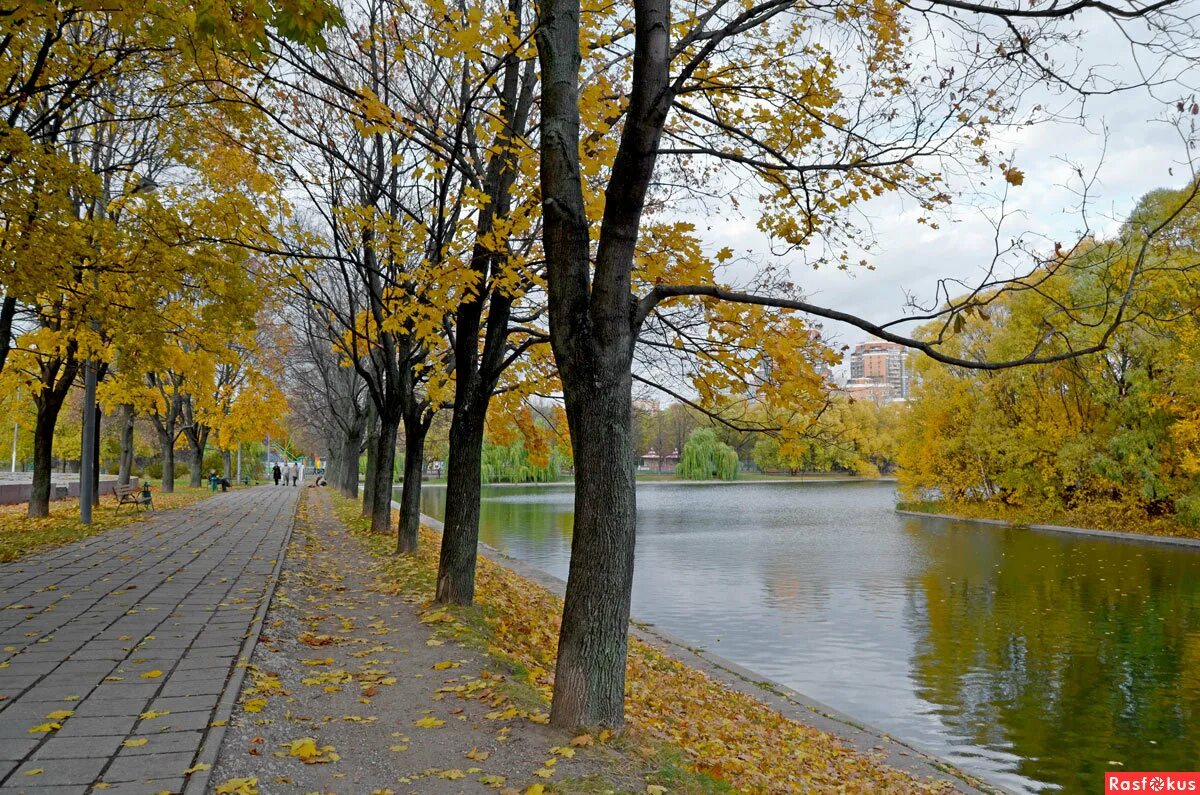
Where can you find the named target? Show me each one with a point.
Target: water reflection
(1034, 660)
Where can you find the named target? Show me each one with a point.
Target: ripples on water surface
(1033, 660)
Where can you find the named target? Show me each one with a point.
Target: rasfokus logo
(1151, 782)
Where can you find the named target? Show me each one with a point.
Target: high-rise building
(879, 371)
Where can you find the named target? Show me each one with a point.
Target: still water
(1033, 660)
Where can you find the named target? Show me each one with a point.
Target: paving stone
(143, 767)
(98, 727)
(74, 747)
(62, 771)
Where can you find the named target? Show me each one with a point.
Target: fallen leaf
(238, 786)
(37, 771)
(197, 768)
(135, 743)
(45, 728)
(477, 755)
(429, 722)
(60, 714)
(152, 674)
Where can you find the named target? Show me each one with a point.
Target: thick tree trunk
(589, 678)
(385, 464)
(166, 446)
(410, 494)
(43, 455)
(96, 457)
(227, 459)
(372, 459)
(347, 480)
(197, 442)
(125, 467)
(460, 533)
(8, 311)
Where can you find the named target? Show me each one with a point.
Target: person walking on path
(278, 473)
(295, 473)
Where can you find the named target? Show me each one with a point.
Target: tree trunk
(460, 531)
(126, 465)
(385, 464)
(410, 494)
(372, 457)
(348, 465)
(96, 457)
(227, 459)
(197, 441)
(8, 311)
(589, 678)
(43, 454)
(167, 447)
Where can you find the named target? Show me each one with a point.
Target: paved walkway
(118, 651)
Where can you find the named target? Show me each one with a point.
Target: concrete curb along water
(790, 703)
(197, 783)
(1141, 538)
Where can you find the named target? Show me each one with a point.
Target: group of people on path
(291, 474)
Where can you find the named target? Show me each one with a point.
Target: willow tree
(819, 108)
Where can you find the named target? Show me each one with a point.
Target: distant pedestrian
(292, 473)
(277, 473)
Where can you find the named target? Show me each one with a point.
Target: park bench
(132, 495)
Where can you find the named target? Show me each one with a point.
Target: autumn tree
(820, 108)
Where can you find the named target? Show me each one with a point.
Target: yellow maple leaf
(656, 789)
(254, 705)
(135, 743)
(152, 714)
(238, 786)
(45, 728)
(303, 749)
(1014, 176)
(442, 666)
(197, 768)
(152, 674)
(60, 714)
(492, 780)
(429, 722)
(535, 789)
(477, 755)
(452, 774)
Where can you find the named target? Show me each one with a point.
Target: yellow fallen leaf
(544, 772)
(581, 740)
(45, 728)
(152, 674)
(656, 789)
(477, 755)
(304, 748)
(492, 781)
(154, 713)
(238, 786)
(429, 722)
(535, 789)
(37, 771)
(564, 752)
(135, 743)
(398, 748)
(452, 775)
(254, 705)
(433, 642)
(60, 714)
(442, 666)
(197, 768)
(101, 785)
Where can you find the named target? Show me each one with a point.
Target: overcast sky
(1126, 137)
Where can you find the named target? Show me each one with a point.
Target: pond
(1035, 661)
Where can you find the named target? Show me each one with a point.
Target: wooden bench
(132, 495)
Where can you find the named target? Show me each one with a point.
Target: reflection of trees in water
(1069, 653)
(506, 520)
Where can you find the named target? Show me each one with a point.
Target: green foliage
(511, 463)
(706, 458)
